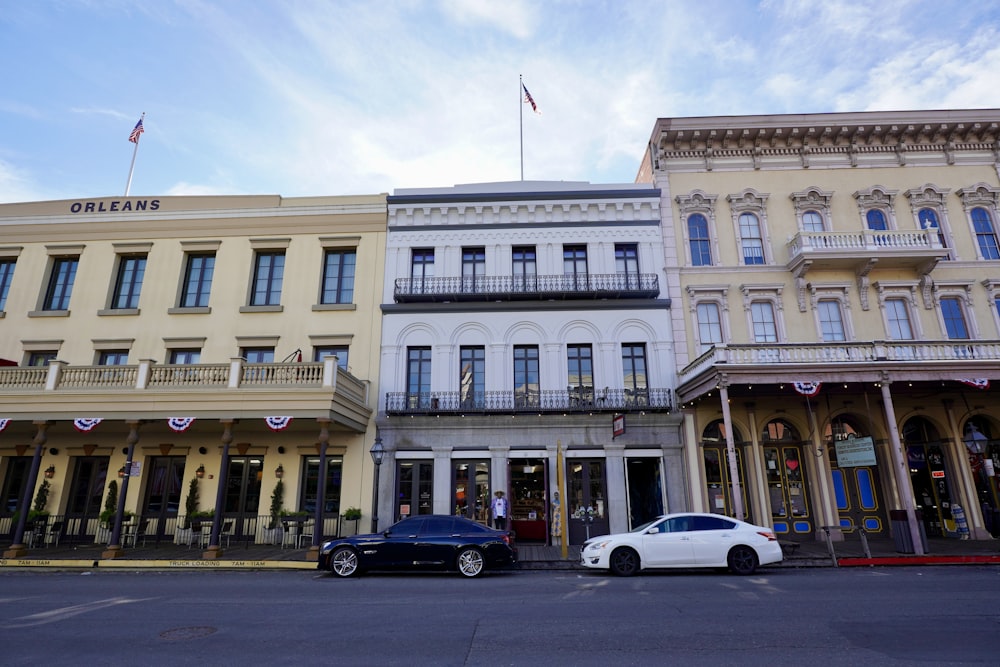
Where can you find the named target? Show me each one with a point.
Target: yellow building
(836, 278)
(225, 343)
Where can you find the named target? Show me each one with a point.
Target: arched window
(986, 235)
(779, 430)
(715, 432)
(876, 219)
(701, 250)
(812, 221)
(750, 239)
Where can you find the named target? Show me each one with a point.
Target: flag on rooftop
(136, 131)
(529, 99)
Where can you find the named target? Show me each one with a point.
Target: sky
(339, 97)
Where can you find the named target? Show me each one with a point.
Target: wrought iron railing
(577, 400)
(510, 288)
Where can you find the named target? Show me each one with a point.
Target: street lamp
(378, 454)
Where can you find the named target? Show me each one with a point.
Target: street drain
(195, 632)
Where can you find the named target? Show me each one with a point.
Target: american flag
(136, 131)
(529, 99)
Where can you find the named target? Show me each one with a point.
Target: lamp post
(378, 454)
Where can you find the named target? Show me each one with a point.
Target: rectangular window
(526, 387)
(41, 358)
(422, 268)
(269, 271)
(709, 325)
(634, 367)
(61, 283)
(580, 366)
(113, 358)
(986, 236)
(472, 378)
(524, 268)
(179, 356)
(197, 280)
(339, 351)
(258, 355)
(6, 275)
(338, 276)
(627, 263)
(575, 266)
(128, 284)
(473, 268)
(310, 485)
(831, 321)
(418, 376)
(954, 318)
(764, 328)
(898, 317)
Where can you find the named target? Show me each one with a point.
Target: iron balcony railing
(513, 288)
(578, 399)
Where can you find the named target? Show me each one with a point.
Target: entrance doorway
(587, 490)
(15, 482)
(415, 488)
(471, 490)
(644, 485)
(983, 449)
(529, 500)
(242, 503)
(718, 479)
(83, 511)
(929, 476)
(163, 495)
(856, 488)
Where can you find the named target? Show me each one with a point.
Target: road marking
(46, 617)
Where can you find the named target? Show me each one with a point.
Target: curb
(918, 560)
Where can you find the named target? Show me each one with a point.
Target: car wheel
(344, 562)
(470, 562)
(624, 562)
(742, 560)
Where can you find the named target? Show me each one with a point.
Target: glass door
(163, 495)
(528, 499)
(415, 494)
(587, 507)
(242, 502)
(471, 490)
(83, 512)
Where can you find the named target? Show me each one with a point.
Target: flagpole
(131, 168)
(520, 106)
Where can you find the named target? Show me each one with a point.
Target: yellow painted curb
(43, 562)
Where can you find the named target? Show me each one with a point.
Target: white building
(523, 322)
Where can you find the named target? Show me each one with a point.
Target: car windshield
(639, 529)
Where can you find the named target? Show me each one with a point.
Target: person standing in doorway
(499, 509)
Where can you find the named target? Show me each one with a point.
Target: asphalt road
(882, 616)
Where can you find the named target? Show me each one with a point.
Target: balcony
(861, 251)
(524, 288)
(871, 361)
(149, 391)
(572, 400)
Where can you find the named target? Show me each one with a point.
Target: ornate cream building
(229, 343)
(836, 283)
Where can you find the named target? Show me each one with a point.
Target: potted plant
(38, 513)
(273, 534)
(183, 533)
(353, 514)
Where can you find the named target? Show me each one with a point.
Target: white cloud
(16, 186)
(516, 17)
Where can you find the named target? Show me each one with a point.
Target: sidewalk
(165, 556)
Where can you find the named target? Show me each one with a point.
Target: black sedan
(428, 541)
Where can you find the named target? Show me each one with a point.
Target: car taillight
(768, 534)
(506, 539)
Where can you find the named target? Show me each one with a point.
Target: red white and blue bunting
(807, 388)
(278, 423)
(3, 423)
(85, 424)
(180, 424)
(978, 383)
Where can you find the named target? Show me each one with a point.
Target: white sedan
(684, 540)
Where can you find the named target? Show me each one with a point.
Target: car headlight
(596, 546)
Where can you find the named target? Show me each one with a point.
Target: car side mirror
(653, 531)
(386, 533)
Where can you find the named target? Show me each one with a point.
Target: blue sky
(306, 97)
